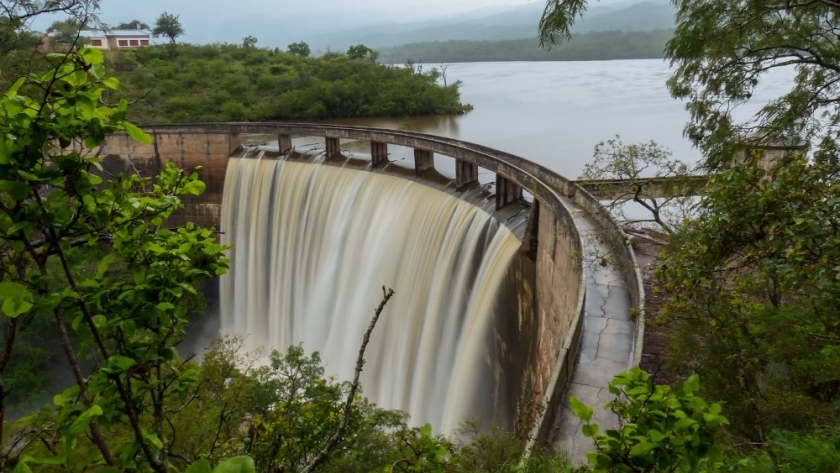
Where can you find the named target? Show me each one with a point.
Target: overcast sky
(230, 20)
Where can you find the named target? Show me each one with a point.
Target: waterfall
(314, 244)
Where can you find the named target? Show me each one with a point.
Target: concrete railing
(560, 278)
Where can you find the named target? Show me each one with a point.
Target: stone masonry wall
(209, 151)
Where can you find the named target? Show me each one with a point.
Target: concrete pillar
(531, 238)
(333, 147)
(465, 173)
(233, 143)
(284, 142)
(378, 153)
(507, 192)
(423, 160)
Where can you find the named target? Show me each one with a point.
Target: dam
(521, 288)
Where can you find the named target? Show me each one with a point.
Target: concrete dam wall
(541, 320)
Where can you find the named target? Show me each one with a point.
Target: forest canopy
(220, 82)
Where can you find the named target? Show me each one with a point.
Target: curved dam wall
(550, 315)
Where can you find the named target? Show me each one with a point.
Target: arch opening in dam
(538, 324)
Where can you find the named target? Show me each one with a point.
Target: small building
(119, 39)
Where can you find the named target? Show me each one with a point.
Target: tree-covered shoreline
(180, 83)
(596, 46)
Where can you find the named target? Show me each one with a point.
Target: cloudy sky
(276, 22)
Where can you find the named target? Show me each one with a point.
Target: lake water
(554, 113)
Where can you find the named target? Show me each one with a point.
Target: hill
(515, 23)
(601, 45)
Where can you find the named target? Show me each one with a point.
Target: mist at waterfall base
(314, 244)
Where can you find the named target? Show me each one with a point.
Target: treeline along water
(314, 244)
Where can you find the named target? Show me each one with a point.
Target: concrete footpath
(606, 344)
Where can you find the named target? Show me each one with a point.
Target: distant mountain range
(207, 21)
(515, 23)
(589, 46)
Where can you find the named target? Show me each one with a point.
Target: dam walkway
(607, 342)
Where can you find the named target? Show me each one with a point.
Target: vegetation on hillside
(596, 46)
(187, 83)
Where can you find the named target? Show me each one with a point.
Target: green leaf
(16, 299)
(105, 264)
(137, 134)
(18, 227)
(13, 90)
(580, 409)
(17, 190)
(121, 362)
(241, 464)
(111, 82)
(92, 56)
(201, 466)
(642, 448)
(692, 384)
(80, 425)
(684, 422)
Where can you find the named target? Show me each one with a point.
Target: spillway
(314, 244)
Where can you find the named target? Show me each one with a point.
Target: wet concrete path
(606, 345)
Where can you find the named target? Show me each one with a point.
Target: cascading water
(314, 244)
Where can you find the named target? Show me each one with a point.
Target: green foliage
(788, 452)
(131, 311)
(660, 429)
(231, 82)
(249, 41)
(300, 49)
(557, 20)
(133, 25)
(360, 51)
(168, 26)
(594, 46)
(755, 293)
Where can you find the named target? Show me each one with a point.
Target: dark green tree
(133, 25)
(169, 26)
(249, 41)
(299, 49)
(360, 51)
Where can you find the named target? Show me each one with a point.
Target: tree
(299, 49)
(169, 26)
(360, 51)
(249, 41)
(133, 25)
(668, 202)
(755, 294)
